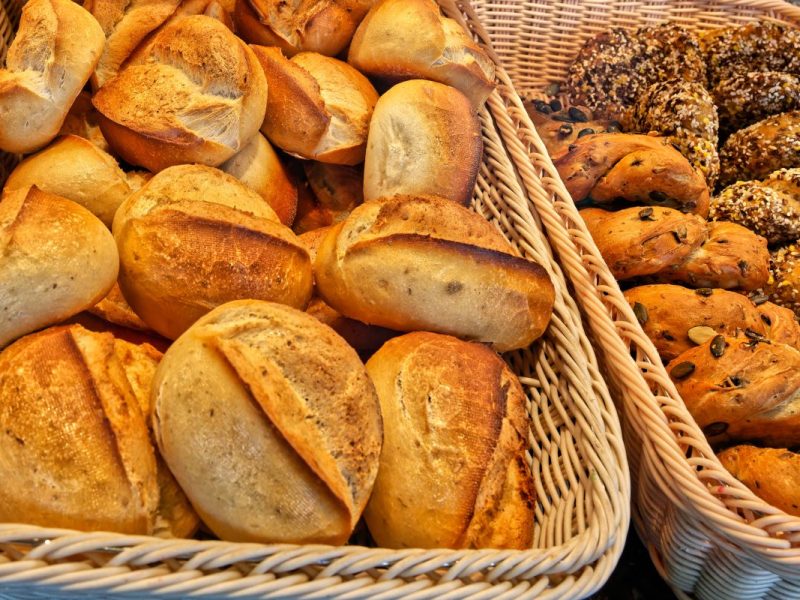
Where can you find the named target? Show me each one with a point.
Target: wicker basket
(576, 454)
(706, 532)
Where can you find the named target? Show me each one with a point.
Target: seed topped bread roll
(56, 48)
(270, 424)
(198, 96)
(424, 263)
(772, 474)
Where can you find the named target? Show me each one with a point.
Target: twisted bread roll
(425, 263)
(639, 169)
(56, 48)
(671, 246)
(772, 474)
(198, 96)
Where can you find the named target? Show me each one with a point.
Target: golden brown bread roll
(639, 169)
(783, 287)
(194, 238)
(56, 259)
(749, 97)
(772, 474)
(56, 48)
(82, 120)
(258, 167)
(424, 263)
(559, 128)
(742, 389)
(780, 323)
(337, 190)
(424, 138)
(76, 169)
(410, 39)
(323, 26)
(448, 479)
(115, 309)
(318, 107)
(75, 450)
(270, 423)
(197, 96)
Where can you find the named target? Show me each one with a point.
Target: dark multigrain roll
(784, 282)
(750, 97)
(615, 67)
(756, 151)
(684, 113)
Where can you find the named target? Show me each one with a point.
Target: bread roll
(424, 263)
(76, 169)
(337, 190)
(780, 323)
(448, 479)
(193, 238)
(783, 287)
(56, 259)
(115, 309)
(318, 107)
(424, 138)
(772, 474)
(258, 167)
(560, 128)
(270, 424)
(323, 26)
(410, 39)
(198, 96)
(51, 58)
(82, 120)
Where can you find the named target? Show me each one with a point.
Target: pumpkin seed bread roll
(424, 263)
(270, 423)
(772, 474)
(781, 324)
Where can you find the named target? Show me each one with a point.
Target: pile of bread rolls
(225, 208)
(709, 276)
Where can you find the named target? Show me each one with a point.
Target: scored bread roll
(270, 424)
(425, 263)
(82, 120)
(194, 238)
(56, 259)
(424, 138)
(410, 39)
(197, 96)
(76, 169)
(448, 479)
(258, 167)
(318, 107)
(56, 48)
(115, 309)
(323, 26)
(772, 474)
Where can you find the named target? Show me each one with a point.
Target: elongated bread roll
(56, 259)
(448, 478)
(424, 138)
(270, 424)
(194, 238)
(425, 263)
(55, 51)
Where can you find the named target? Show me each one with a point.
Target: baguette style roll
(56, 259)
(772, 474)
(270, 423)
(424, 263)
(258, 167)
(56, 48)
(318, 107)
(197, 96)
(78, 170)
(194, 238)
(446, 478)
(424, 138)
(410, 39)
(323, 26)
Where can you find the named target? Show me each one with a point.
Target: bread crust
(772, 474)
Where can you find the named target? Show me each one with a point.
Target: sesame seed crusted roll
(784, 282)
(750, 97)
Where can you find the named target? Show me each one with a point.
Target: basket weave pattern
(707, 533)
(576, 454)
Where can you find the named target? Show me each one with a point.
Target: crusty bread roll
(410, 39)
(258, 167)
(125, 24)
(115, 309)
(424, 138)
(772, 474)
(780, 323)
(448, 479)
(424, 263)
(193, 238)
(270, 424)
(76, 169)
(56, 259)
(323, 26)
(337, 190)
(197, 96)
(82, 120)
(57, 46)
(318, 107)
